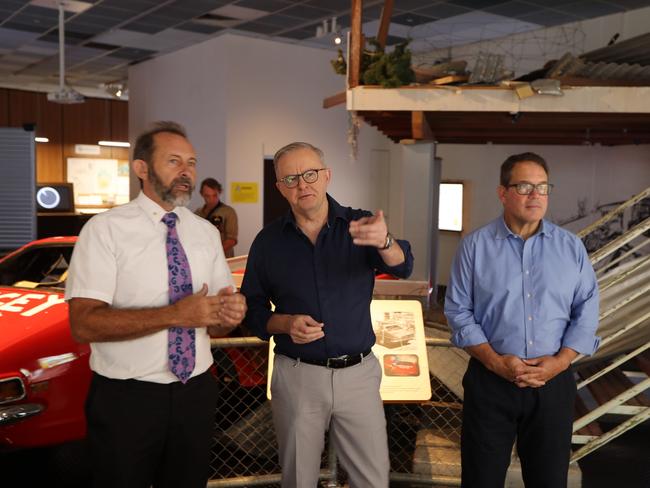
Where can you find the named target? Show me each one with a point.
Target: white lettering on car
(18, 299)
(21, 300)
(8, 295)
(51, 301)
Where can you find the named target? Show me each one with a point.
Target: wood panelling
(88, 122)
(120, 153)
(119, 128)
(23, 108)
(33, 108)
(64, 126)
(49, 155)
(4, 107)
(119, 121)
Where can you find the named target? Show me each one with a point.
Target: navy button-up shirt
(528, 298)
(331, 281)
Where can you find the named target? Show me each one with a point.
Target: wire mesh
(423, 437)
(244, 439)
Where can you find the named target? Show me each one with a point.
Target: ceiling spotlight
(116, 89)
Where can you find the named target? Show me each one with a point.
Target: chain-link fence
(424, 437)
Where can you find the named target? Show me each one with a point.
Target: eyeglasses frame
(534, 187)
(301, 175)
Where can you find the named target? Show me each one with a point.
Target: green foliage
(389, 70)
(379, 68)
(339, 64)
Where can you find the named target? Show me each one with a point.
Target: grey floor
(623, 463)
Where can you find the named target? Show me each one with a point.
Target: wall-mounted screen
(450, 212)
(54, 197)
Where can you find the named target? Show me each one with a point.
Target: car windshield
(37, 266)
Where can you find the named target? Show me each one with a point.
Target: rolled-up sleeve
(255, 288)
(459, 300)
(580, 334)
(402, 270)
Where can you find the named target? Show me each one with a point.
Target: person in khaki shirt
(222, 216)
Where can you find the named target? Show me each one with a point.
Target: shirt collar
(335, 211)
(502, 231)
(154, 211)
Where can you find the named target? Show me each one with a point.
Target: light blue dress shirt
(527, 298)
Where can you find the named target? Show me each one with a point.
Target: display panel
(54, 197)
(450, 211)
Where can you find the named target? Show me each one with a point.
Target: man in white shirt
(147, 295)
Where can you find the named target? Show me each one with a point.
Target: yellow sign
(243, 192)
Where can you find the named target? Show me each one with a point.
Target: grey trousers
(308, 400)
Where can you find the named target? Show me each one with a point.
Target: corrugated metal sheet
(632, 51)
(571, 69)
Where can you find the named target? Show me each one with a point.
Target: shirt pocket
(202, 259)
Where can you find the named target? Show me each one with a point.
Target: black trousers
(143, 434)
(496, 412)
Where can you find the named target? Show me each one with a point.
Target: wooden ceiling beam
(420, 126)
(503, 128)
(334, 100)
(384, 23)
(356, 44)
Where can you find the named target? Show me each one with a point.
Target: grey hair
(293, 147)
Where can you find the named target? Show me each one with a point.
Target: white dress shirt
(120, 258)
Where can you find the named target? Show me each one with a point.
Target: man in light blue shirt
(522, 300)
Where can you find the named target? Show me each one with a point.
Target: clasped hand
(304, 329)
(530, 372)
(226, 309)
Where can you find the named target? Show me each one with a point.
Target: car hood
(26, 313)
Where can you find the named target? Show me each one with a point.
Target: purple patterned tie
(181, 340)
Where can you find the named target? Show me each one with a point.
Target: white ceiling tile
(17, 58)
(121, 37)
(40, 48)
(242, 13)
(68, 5)
(11, 38)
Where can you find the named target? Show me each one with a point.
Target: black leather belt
(335, 363)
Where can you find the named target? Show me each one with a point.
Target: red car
(44, 373)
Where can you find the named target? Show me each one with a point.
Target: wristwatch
(388, 243)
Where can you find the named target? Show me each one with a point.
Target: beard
(166, 193)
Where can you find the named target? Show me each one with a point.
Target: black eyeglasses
(527, 188)
(310, 176)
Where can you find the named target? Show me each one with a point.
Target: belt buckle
(336, 363)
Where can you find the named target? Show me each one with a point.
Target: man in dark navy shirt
(317, 266)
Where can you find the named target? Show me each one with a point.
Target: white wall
(243, 98)
(595, 174)
(409, 201)
(184, 86)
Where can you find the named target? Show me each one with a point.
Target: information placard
(400, 348)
